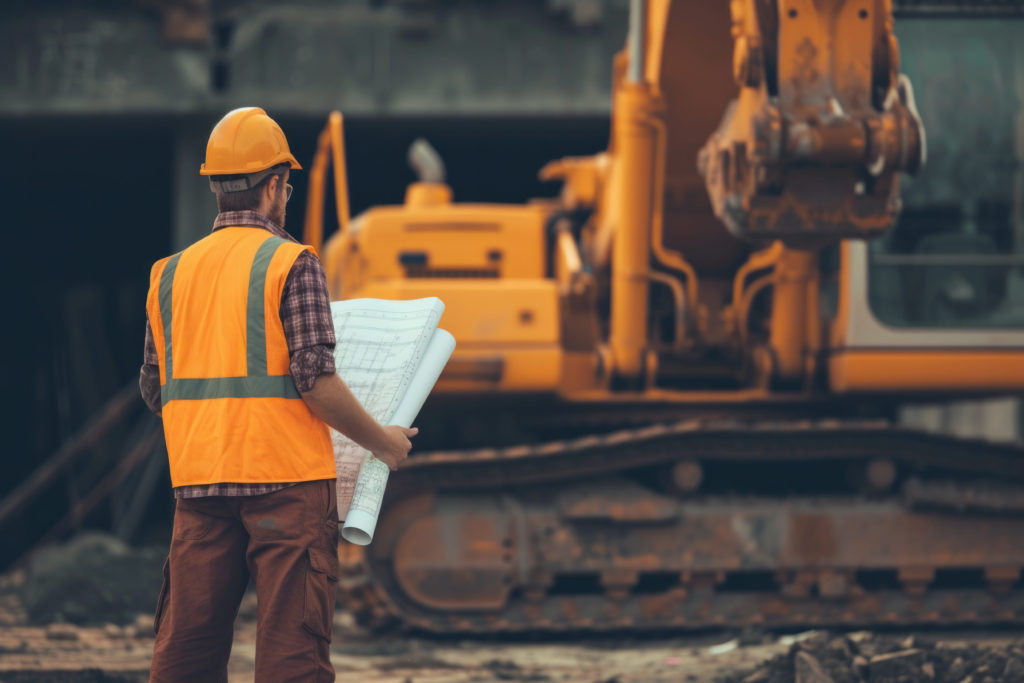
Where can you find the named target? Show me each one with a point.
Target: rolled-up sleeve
(308, 326)
(149, 373)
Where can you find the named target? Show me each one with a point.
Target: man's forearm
(333, 402)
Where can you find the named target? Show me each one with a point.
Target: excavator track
(601, 533)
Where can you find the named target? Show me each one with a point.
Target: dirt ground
(120, 654)
(65, 652)
(62, 652)
(81, 612)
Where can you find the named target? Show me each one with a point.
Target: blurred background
(105, 109)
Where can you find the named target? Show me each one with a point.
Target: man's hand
(398, 445)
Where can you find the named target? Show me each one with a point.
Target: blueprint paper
(373, 475)
(380, 346)
(439, 350)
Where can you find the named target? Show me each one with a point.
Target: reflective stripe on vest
(256, 383)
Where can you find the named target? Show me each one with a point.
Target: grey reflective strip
(255, 318)
(278, 386)
(256, 383)
(166, 287)
(244, 182)
(239, 185)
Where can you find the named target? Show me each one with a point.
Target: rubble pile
(92, 579)
(861, 657)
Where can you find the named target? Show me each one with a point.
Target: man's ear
(269, 188)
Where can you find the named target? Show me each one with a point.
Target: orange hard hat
(246, 140)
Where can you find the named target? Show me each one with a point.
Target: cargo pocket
(161, 600)
(321, 593)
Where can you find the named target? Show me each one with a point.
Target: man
(239, 363)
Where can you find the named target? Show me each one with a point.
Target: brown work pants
(287, 542)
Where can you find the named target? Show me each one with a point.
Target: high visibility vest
(231, 411)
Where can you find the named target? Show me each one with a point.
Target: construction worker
(239, 363)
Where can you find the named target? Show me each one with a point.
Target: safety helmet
(246, 141)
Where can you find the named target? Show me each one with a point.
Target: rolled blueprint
(380, 345)
(361, 519)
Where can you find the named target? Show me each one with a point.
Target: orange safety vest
(231, 411)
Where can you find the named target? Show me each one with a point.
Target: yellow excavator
(673, 400)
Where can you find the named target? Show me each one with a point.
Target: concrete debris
(897, 665)
(808, 669)
(863, 657)
(860, 665)
(1014, 670)
(889, 656)
(722, 648)
(797, 637)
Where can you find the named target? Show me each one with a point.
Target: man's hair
(244, 200)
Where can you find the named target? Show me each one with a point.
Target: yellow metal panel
(487, 313)
(508, 239)
(918, 369)
(506, 331)
(520, 370)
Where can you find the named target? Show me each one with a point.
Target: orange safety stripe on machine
(231, 411)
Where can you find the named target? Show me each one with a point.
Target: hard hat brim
(255, 168)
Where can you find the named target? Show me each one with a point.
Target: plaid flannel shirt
(308, 330)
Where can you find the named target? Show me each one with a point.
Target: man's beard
(277, 213)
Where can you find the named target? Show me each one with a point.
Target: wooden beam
(87, 436)
(137, 455)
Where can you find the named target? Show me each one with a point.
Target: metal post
(637, 40)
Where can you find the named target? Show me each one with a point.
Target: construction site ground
(82, 611)
(61, 652)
